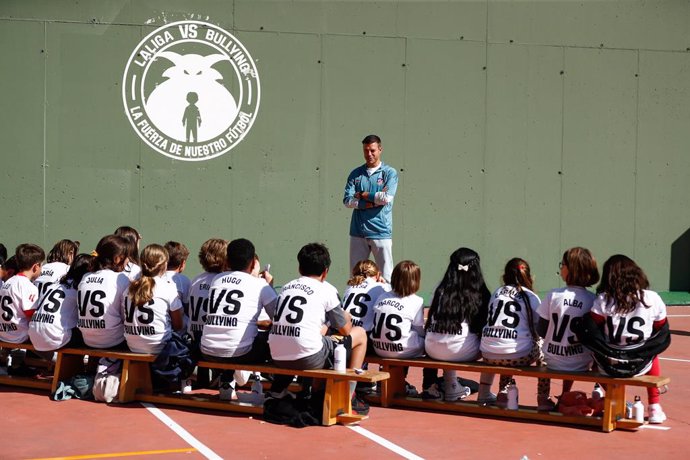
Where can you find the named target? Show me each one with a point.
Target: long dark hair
(622, 282)
(460, 294)
(82, 264)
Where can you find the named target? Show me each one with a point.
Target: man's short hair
(177, 252)
(241, 253)
(370, 139)
(27, 255)
(313, 259)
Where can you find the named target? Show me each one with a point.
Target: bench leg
(66, 367)
(393, 386)
(337, 401)
(136, 377)
(614, 406)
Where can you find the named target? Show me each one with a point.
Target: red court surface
(36, 427)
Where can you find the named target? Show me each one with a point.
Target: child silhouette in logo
(191, 118)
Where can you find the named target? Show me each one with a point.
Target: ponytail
(154, 261)
(362, 270)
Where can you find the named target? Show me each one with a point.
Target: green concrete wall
(519, 128)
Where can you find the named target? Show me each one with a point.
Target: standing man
(369, 192)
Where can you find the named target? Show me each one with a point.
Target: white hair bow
(463, 268)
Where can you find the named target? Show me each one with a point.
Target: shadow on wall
(680, 263)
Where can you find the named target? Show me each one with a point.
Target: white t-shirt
(564, 308)
(182, 283)
(359, 301)
(300, 314)
(456, 345)
(507, 333)
(398, 326)
(198, 302)
(633, 327)
(99, 298)
(51, 273)
(51, 326)
(17, 296)
(235, 303)
(148, 327)
(132, 271)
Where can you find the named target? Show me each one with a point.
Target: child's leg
(485, 382)
(429, 377)
(567, 385)
(359, 347)
(653, 393)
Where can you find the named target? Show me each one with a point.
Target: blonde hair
(154, 261)
(362, 270)
(406, 278)
(213, 255)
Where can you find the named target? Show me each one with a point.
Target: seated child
(237, 299)
(59, 260)
(305, 307)
(100, 295)
(54, 325)
(509, 337)
(399, 315)
(132, 237)
(18, 295)
(562, 310)
(152, 307)
(177, 263)
(629, 314)
(456, 318)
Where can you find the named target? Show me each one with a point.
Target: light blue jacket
(376, 222)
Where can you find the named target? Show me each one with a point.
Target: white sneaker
(656, 414)
(454, 391)
(226, 392)
(186, 386)
(242, 377)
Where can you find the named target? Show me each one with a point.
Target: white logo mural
(191, 90)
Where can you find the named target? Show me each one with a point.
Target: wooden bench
(337, 407)
(136, 372)
(19, 381)
(393, 392)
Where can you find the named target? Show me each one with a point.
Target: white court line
(385, 443)
(676, 359)
(181, 432)
(654, 427)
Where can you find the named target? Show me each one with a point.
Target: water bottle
(257, 390)
(513, 395)
(638, 410)
(339, 358)
(597, 392)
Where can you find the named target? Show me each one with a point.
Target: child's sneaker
(433, 392)
(545, 404)
(410, 390)
(242, 377)
(454, 391)
(365, 388)
(487, 400)
(656, 414)
(226, 391)
(359, 407)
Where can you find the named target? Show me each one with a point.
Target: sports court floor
(36, 427)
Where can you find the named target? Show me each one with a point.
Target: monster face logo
(191, 90)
